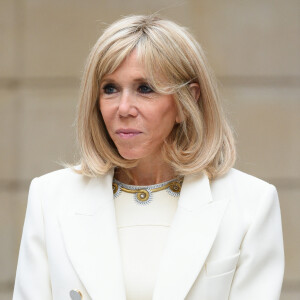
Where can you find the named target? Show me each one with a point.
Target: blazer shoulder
(60, 175)
(246, 181)
(68, 180)
(61, 180)
(250, 192)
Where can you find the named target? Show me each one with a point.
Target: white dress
(143, 228)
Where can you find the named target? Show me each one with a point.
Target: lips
(127, 132)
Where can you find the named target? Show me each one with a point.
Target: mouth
(127, 133)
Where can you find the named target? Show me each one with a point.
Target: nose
(127, 105)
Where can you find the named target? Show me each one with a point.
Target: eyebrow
(139, 79)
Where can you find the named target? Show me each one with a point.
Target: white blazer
(225, 241)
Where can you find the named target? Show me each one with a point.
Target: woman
(154, 210)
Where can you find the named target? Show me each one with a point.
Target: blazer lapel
(89, 229)
(191, 236)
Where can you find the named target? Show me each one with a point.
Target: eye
(145, 89)
(109, 89)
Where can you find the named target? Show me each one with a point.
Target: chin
(130, 155)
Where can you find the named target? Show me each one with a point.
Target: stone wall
(253, 46)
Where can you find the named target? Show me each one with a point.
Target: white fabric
(143, 231)
(225, 241)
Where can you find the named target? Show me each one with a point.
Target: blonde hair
(203, 141)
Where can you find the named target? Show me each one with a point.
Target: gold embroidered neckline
(143, 194)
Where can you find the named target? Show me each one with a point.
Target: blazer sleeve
(32, 277)
(260, 269)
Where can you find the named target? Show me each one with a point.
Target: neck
(146, 173)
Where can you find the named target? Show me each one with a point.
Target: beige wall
(253, 46)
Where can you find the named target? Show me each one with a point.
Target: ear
(195, 90)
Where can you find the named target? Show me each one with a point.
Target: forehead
(130, 68)
(140, 64)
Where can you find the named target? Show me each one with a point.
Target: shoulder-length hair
(203, 141)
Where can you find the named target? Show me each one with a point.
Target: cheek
(107, 114)
(162, 123)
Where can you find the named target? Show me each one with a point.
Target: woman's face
(137, 119)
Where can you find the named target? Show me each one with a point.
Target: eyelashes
(145, 89)
(111, 88)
